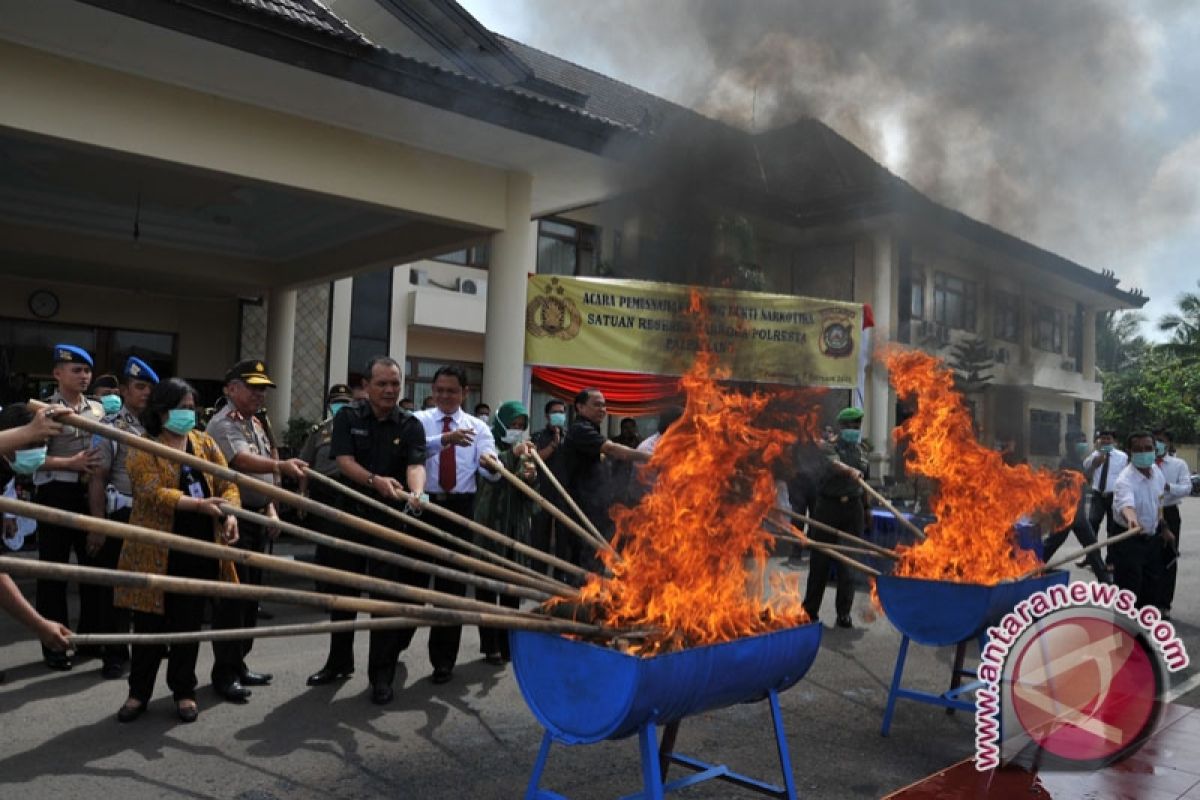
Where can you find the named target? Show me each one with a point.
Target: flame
(978, 498)
(684, 548)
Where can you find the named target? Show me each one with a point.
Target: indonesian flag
(864, 355)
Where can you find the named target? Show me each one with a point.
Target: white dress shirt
(1141, 493)
(1179, 479)
(1117, 461)
(467, 457)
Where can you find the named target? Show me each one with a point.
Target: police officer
(317, 451)
(840, 504)
(247, 447)
(61, 483)
(379, 449)
(110, 495)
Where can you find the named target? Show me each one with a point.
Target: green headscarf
(503, 418)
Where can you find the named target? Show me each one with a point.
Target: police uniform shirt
(386, 447)
(587, 478)
(71, 441)
(834, 483)
(317, 449)
(112, 454)
(236, 434)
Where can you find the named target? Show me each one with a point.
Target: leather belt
(442, 497)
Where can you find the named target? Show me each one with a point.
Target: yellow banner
(639, 326)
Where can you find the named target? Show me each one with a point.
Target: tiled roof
(310, 14)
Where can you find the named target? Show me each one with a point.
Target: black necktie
(1104, 473)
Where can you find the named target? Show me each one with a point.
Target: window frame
(967, 291)
(1046, 314)
(1003, 305)
(1041, 441)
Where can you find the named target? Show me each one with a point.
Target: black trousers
(1086, 536)
(850, 517)
(495, 640)
(386, 646)
(229, 658)
(1171, 568)
(1099, 510)
(444, 639)
(1138, 567)
(55, 544)
(181, 614)
(101, 616)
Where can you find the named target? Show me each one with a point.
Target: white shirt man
(466, 456)
(1178, 477)
(1140, 492)
(1104, 481)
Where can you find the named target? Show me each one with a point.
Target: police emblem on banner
(552, 314)
(837, 333)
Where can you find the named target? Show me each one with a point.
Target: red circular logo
(1085, 688)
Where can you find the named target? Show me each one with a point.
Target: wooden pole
(469, 524)
(301, 502)
(850, 537)
(550, 508)
(1083, 551)
(587, 523)
(234, 634)
(135, 533)
(900, 518)
(553, 588)
(49, 570)
(828, 549)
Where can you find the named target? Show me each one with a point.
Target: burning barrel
(584, 693)
(941, 613)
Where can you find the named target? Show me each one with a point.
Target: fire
(684, 548)
(978, 498)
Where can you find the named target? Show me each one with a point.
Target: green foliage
(298, 429)
(1184, 327)
(972, 360)
(1118, 343)
(1160, 390)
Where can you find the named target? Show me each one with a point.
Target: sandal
(131, 710)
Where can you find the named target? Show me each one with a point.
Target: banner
(639, 326)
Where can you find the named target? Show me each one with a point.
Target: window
(566, 248)
(1074, 337)
(418, 381)
(370, 317)
(1044, 432)
(916, 297)
(471, 257)
(1047, 328)
(953, 301)
(1006, 317)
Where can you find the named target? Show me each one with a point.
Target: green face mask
(1082, 449)
(851, 435)
(111, 403)
(180, 420)
(334, 408)
(1143, 460)
(27, 462)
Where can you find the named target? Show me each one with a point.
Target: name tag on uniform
(359, 432)
(196, 490)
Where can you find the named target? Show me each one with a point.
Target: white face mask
(512, 436)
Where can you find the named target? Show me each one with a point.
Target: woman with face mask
(173, 498)
(501, 506)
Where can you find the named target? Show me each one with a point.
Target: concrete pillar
(281, 337)
(513, 257)
(1087, 418)
(1087, 345)
(339, 331)
(402, 301)
(885, 287)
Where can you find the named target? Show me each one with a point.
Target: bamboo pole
(234, 634)
(883, 501)
(1083, 551)
(552, 509)
(875, 548)
(553, 588)
(470, 524)
(136, 533)
(306, 504)
(799, 537)
(49, 570)
(587, 523)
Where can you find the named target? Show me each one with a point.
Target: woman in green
(499, 505)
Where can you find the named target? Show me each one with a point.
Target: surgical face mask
(111, 403)
(1106, 448)
(1160, 449)
(1143, 460)
(511, 435)
(558, 418)
(27, 462)
(851, 435)
(334, 408)
(180, 420)
(1081, 449)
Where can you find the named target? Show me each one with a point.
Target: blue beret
(139, 370)
(70, 354)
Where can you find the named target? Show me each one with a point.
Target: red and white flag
(864, 355)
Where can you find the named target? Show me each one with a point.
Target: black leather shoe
(250, 678)
(495, 659)
(233, 692)
(187, 713)
(128, 713)
(113, 671)
(843, 621)
(328, 675)
(59, 661)
(442, 675)
(381, 694)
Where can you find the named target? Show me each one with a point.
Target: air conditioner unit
(1069, 365)
(1001, 355)
(418, 277)
(473, 286)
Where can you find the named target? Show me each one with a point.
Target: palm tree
(1184, 327)
(1119, 345)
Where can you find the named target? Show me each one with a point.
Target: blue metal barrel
(938, 613)
(583, 693)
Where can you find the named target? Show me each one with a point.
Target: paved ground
(474, 737)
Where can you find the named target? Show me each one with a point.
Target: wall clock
(43, 303)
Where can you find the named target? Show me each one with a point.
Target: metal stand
(949, 700)
(656, 759)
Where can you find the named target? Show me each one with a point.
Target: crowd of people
(375, 441)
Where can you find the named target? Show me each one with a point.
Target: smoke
(1042, 118)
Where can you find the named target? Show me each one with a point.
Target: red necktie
(447, 462)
